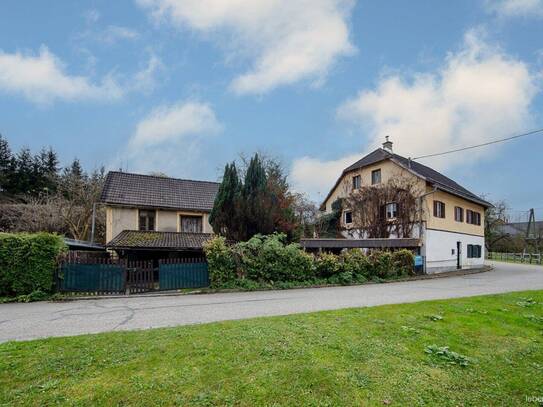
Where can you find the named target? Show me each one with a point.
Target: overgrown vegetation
(270, 261)
(258, 200)
(36, 195)
(354, 357)
(28, 263)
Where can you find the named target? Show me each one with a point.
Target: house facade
(152, 216)
(449, 220)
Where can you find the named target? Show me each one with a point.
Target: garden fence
(529, 258)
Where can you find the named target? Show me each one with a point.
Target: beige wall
(390, 169)
(119, 219)
(448, 223)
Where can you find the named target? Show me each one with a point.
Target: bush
(357, 263)
(327, 265)
(220, 259)
(404, 262)
(381, 264)
(28, 262)
(269, 259)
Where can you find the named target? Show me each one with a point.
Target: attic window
(376, 177)
(356, 182)
(191, 224)
(348, 217)
(146, 220)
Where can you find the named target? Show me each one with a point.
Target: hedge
(270, 261)
(28, 262)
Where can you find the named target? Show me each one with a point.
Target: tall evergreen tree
(24, 172)
(6, 165)
(254, 199)
(224, 216)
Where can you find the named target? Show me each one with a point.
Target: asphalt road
(44, 319)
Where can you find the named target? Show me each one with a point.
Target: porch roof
(389, 243)
(150, 240)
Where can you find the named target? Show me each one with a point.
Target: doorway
(458, 255)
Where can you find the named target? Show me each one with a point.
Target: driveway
(44, 319)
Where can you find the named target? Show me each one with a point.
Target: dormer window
(356, 182)
(376, 177)
(146, 220)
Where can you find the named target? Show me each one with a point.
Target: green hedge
(28, 262)
(270, 261)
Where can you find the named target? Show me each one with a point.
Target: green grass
(488, 351)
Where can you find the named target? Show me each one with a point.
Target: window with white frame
(391, 210)
(348, 217)
(376, 177)
(146, 220)
(357, 183)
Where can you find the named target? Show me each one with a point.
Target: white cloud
(169, 138)
(42, 79)
(145, 80)
(91, 16)
(174, 123)
(516, 8)
(286, 40)
(113, 33)
(479, 94)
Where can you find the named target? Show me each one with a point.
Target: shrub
(28, 262)
(220, 260)
(269, 259)
(357, 263)
(404, 261)
(381, 264)
(327, 265)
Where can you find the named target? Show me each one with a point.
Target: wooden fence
(92, 275)
(528, 258)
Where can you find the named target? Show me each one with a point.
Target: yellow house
(152, 216)
(450, 219)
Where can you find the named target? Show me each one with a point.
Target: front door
(458, 255)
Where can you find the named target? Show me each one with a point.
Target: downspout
(420, 208)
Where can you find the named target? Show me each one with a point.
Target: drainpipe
(420, 209)
(93, 221)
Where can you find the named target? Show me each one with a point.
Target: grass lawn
(363, 356)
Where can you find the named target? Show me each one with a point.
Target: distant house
(156, 217)
(450, 229)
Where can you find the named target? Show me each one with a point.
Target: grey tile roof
(123, 188)
(432, 176)
(137, 239)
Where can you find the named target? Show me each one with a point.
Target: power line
(480, 145)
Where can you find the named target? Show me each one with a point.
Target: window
(356, 182)
(458, 214)
(474, 251)
(146, 220)
(348, 217)
(191, 224)
(391, 210)
(439, 209)
(376, 177)
(473, 217)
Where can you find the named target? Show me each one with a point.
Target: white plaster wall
(166, 221)
(439, 246)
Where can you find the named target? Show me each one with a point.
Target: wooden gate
(140, 276)
(183, 273)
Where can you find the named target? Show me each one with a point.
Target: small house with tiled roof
(156, 216)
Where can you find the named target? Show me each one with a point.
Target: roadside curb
(204, 291)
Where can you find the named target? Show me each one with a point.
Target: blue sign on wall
(418, 261)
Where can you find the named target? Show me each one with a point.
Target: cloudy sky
(183, 86)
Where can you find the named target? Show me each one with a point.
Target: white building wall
(440, 250)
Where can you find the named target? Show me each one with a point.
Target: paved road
(43, 319)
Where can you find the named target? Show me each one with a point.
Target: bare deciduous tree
(384, 210)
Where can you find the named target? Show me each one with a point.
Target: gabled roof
(435, 178)
(138, 239)
(123, 188)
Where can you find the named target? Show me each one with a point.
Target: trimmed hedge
(28, 262)
(269, 261)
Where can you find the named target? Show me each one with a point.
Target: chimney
(387, 145)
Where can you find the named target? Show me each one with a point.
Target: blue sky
(182, 87)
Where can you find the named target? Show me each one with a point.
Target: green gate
(95, 278)
(174, 275)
